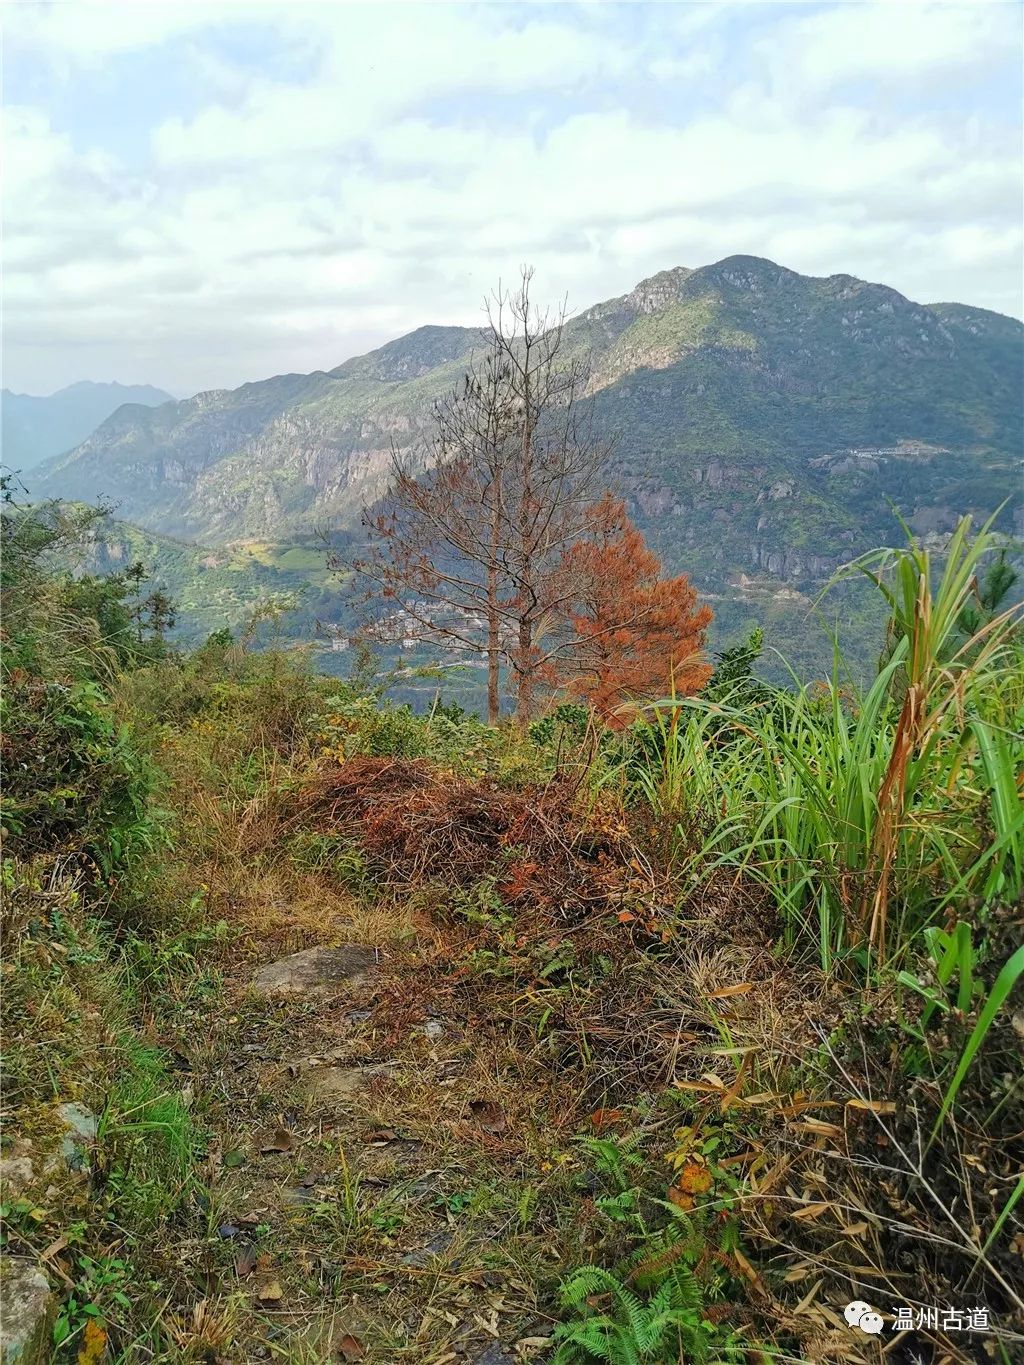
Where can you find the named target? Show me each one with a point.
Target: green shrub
(73, 782)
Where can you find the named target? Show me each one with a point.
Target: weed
(146, 1140)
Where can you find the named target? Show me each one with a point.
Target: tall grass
(865, 815)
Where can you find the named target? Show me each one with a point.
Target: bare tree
(554, 474)
(469, 539)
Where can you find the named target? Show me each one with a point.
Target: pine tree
(636, 635)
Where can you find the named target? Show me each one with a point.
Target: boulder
(315, 971)
(26, 1313)
(16, 1174)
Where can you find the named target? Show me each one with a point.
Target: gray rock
(16, 1174)
(82, 1122)
(81, 1128)
(26, 1313)
(297, 1197)
(436, 1246)
(496, 1354)
(315, 970)
(337, 1084)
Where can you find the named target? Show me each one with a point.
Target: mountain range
(37, 427)
(765, 424)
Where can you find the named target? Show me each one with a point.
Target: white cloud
(84, 33)
(424, 150)
(892, 41)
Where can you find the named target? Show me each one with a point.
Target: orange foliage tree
(636, 635)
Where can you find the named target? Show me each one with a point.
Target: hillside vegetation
(763, 424)
(641, 1045)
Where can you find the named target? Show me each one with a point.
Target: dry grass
(539, 967)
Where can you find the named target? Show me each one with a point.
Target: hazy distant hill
(35, 428)
(763, 421)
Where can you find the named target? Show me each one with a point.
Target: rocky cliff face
(762, 422)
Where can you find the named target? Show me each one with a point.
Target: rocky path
(378, 1193)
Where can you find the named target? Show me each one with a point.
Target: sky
(201, 194)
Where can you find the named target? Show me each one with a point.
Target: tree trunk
(524, 690)
(493, 653)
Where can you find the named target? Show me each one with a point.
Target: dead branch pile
(416, 825)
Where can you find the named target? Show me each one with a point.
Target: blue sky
(201, 194)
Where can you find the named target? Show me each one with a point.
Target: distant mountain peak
(761, 421)
(411, 355)
(36, 428)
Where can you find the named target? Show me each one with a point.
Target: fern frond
(582, 1283)
(655, 1257)
(686, 1289)
(635, 1311)
(599, 1339)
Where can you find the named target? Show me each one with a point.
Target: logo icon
(862, 1315)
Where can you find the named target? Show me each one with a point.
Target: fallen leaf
(809, 1297)
(271, 1292)
(740, 1159)
(746, 1267)
(530, 1346)
(606, 1118)
(798, 1272)
(817, 1126)
(282, 1141)
(489, 1115)
(724, 992)
(245, 1262)
(812, 1210)
(53, 1248)
(873, 1106)
(382, 1137)
(351, 1348)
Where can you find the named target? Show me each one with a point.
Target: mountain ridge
(37, 427)
(763, 422)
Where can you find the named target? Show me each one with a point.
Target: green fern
(633, 1331)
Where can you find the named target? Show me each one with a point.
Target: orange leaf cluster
(638, 636)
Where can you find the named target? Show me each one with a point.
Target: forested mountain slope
(764, 422)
